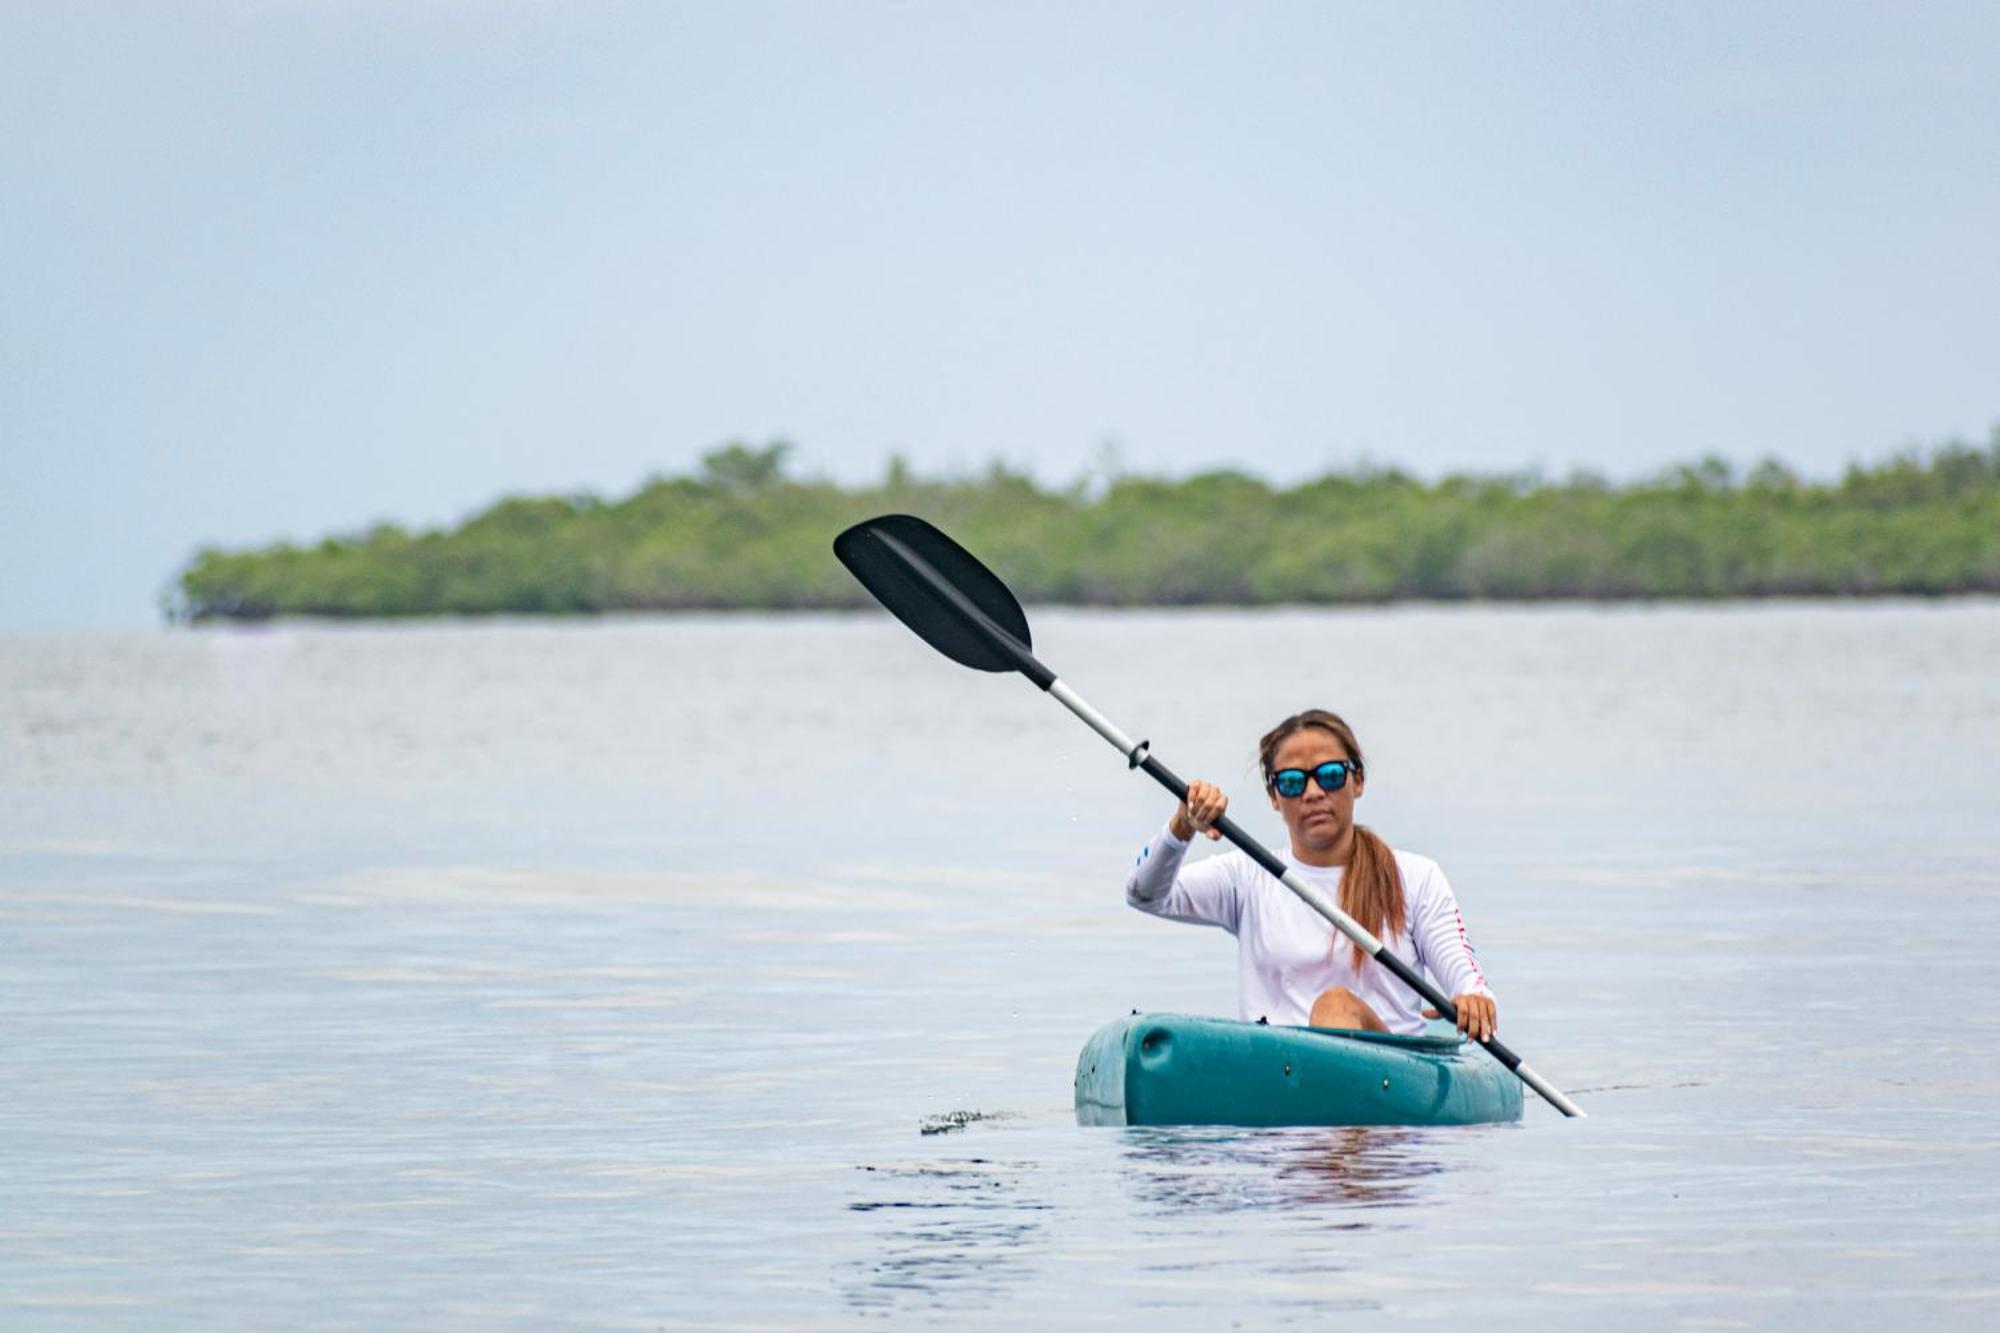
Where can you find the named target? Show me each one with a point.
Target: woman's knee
(1333, 1005)
(1339, 1007)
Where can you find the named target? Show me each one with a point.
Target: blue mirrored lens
(1330, 777)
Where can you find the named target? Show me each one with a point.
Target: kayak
(1180, 1069)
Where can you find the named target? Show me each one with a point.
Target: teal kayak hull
(1180, 1069)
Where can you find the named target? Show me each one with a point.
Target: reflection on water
(1349, 1167)
(954, 1234)
(969, 1233)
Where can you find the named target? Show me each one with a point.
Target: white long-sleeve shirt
(1287, 954)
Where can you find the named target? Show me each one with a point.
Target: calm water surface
(608, 975)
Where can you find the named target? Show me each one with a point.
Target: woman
(1293, 967)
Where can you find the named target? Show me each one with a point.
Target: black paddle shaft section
(1264, 857)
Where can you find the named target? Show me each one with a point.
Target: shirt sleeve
(1205, 893)
(1438, 931)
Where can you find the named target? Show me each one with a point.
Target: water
(608, 975)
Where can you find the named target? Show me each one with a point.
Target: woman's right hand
(1198, 813)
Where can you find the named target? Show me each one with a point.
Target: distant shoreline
(743, 536)
(475, 619)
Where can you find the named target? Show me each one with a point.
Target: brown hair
(1371, 891)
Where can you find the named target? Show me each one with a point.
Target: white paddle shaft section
(1134, 752)
(1097, 722)
(1316, 899)
(1550, 1093)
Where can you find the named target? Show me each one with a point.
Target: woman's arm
(1437, 928)
(1162, 884)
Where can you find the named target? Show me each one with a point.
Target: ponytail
(1371, 891)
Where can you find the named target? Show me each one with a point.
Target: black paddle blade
(939, 589)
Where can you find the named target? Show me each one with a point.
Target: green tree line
(744, 532)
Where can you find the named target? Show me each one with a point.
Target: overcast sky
(284, 267)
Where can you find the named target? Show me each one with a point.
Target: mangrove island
(743, 532)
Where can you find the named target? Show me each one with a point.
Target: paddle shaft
(1138, 755)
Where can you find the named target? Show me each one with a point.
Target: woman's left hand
(1478, 1016)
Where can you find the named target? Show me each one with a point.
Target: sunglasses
(1332, 776)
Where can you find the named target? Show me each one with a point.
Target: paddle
(962, 609)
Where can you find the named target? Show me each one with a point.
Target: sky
(283, 268)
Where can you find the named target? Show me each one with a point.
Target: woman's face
(1317, 820)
